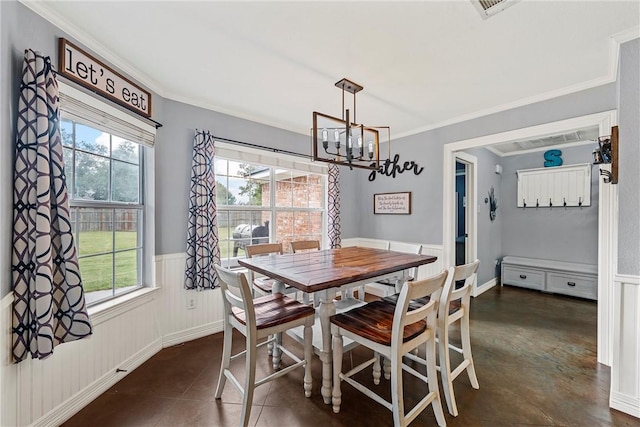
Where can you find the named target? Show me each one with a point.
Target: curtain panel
(333, 207)
(49, 306)
(203, 250)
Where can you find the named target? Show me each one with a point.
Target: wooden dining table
(318, 272)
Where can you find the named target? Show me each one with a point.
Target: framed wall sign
(79, 66)
(392, 203)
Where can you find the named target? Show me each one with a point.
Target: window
(259, 203)
(105, 168)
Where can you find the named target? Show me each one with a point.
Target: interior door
(461, 213)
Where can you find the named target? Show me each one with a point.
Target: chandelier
(343, 141)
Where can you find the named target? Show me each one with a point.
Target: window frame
(236, 153)
(125, 126)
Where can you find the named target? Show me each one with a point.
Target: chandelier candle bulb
(336, 136)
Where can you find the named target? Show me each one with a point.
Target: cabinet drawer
(573, 284)
(525, 277)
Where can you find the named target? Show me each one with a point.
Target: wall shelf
(561, 186)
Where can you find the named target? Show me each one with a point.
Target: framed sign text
(392, 203)
(84, 69)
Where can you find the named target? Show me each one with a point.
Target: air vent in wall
(488, 8)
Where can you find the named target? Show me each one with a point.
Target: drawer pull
(571, 283)
(524, 276)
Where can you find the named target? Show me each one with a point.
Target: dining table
(319, 272)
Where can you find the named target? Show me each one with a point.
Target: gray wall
(425, 223)
(21, 29)
(563, 234)
(490, 233)
(629, 169)
(174, 144)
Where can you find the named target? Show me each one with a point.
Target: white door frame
(470, 216)
(607, 244)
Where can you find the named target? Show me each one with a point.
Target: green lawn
(97, 271)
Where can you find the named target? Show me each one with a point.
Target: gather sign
(84, 69)
(394, 167)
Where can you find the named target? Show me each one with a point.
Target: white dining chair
(455, 307)
(361, 290)
(392, 285)
(392, 331)
(298, 246)
(257, 319)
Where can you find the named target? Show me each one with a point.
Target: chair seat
(274, 309)
(374, 322)
(454, 305)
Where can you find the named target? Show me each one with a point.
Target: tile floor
(535, 357)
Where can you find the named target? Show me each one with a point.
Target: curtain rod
(261, 147)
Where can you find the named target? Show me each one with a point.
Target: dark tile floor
(535, 357)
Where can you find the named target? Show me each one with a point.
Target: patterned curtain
(48, 306)
(334, 206)
(203, 250)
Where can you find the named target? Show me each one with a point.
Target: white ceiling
(422, 64)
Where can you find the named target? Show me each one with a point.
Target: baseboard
(625, 403)
(192, 333)
(484, 287)
(74, 404)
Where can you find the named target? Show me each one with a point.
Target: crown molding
(41, 8)
(614, 53)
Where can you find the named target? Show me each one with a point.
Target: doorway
(607, 204)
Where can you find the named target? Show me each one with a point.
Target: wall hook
(537, 203)
(524, 203)
(580, 201)
(564, 201)
(550, 204)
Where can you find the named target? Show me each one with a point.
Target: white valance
(268, 158)
(84, 108)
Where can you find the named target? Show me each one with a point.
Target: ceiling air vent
(488, 8)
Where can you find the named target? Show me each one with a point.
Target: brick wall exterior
(302, 192)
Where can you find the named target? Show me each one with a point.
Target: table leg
(276, 354)
(325, 311)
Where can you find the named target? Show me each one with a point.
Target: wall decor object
(392, 203)
(552, 158)
(392, 168)
(493, 204)
(607, 152)
(87, 71)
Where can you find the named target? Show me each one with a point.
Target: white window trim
(240, 153)
(148, 188)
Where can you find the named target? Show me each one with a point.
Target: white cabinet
(555, 186)
(568, 278)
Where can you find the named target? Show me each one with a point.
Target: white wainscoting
(48, 392)
(180, 324)
(625, 366)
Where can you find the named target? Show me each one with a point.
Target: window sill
(102, 312)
